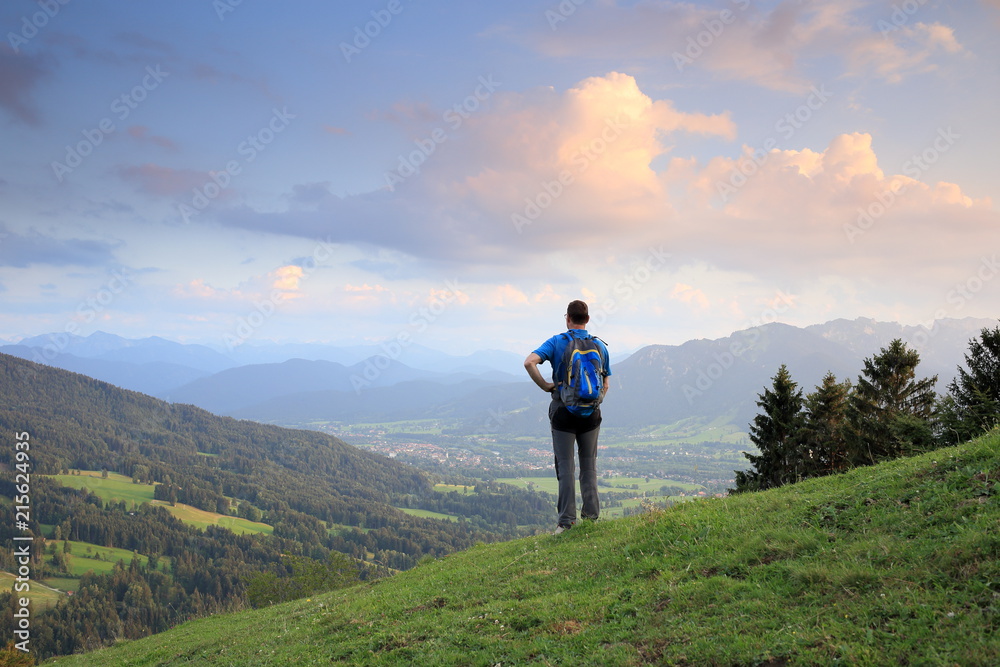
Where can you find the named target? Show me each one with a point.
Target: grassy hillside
(896, 564)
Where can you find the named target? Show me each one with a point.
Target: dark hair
(578, 312)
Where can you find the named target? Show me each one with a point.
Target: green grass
(115, 487)
(202, 519)
(890, 565)
(460, 488)
(427, 514)
(81, 561)
(549, 484)
(694, 430)
(63, 583)
(42, 597)
(414, 426)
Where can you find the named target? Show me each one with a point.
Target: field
(460, 488)
(695, 431)
(41, 596)
(114, 487)
(82, 558)
(427, 514)
(549, 484)
(202, 519)
(117, 487)
(85, 557)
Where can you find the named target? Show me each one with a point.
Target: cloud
(834, 212)
(583, 155)
(19, 75)
(772, 48)
(287, 278)
(552, 184)
(211, 74)
(901, 51)
(160, 181)
(689, 295)
(505, 296)
(364, 297)
(33, 248)
(284, 283)
(141, 134)
(199, 289)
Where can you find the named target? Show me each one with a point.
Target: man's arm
(535, 373)
(607, 369)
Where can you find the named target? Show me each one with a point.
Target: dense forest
(325, 500)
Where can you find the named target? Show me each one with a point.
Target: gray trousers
(569, 434)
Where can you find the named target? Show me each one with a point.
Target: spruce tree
(972, 405)
(775, 433)
(890, 411)
(823, 437)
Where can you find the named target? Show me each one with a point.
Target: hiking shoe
(560, 529)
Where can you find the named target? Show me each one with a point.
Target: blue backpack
(581, 388)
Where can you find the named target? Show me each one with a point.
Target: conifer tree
(775, 433)
(972, 405)
(823, 438)
(890, 411)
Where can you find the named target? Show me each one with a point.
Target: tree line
(887, 413)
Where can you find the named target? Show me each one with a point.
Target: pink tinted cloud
(741, 41)
(160, 181)
(19, 74)
(141, 134)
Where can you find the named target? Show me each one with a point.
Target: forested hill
(319, 494)
(200, 459)
(78, 422)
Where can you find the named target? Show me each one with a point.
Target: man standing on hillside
(579, 422)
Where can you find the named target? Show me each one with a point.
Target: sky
(399, 172)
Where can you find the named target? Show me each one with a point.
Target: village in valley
(651, 470)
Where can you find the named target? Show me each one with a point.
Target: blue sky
(453, 174)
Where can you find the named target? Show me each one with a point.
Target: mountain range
(656, 385)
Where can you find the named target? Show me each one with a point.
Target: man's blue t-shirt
(552, 351)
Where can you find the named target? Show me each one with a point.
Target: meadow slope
(890, 565)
